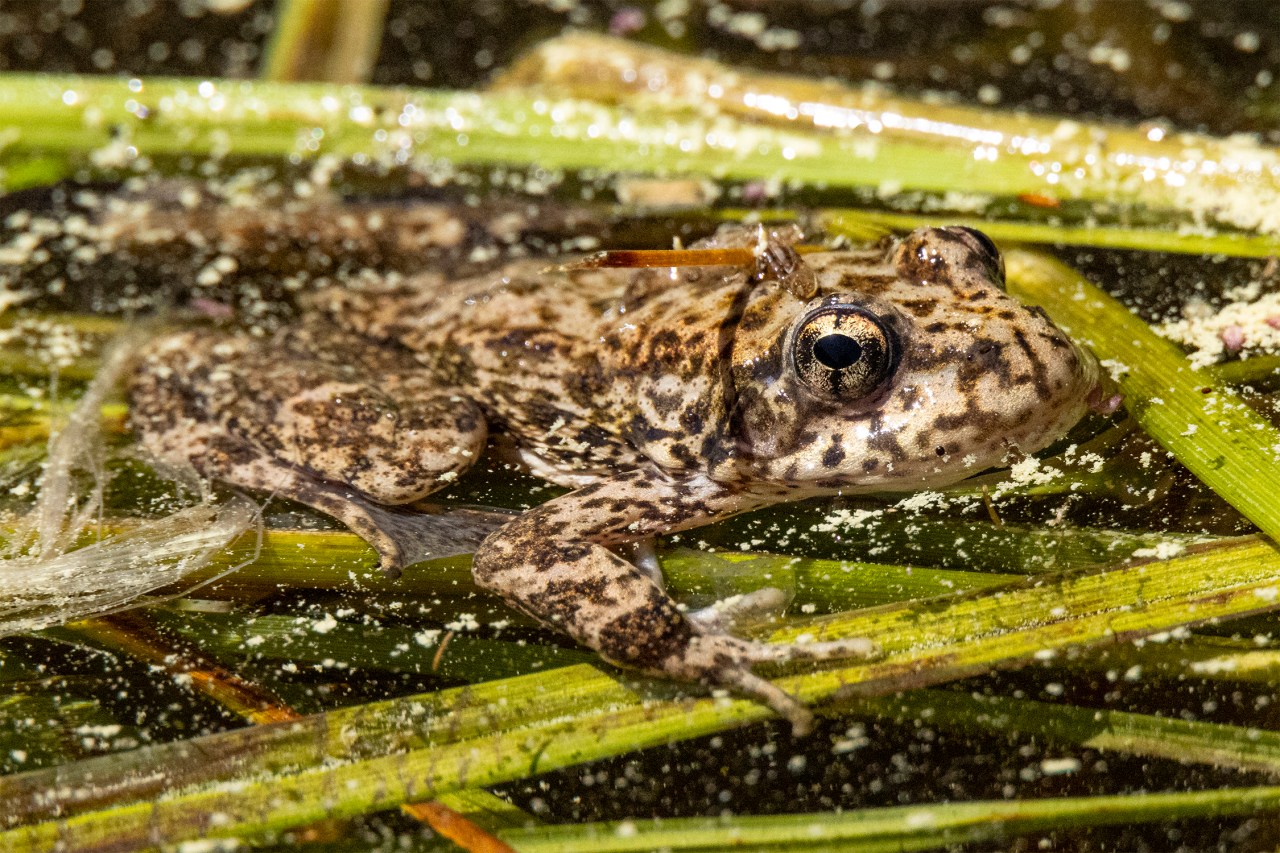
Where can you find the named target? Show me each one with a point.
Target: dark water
(1203, 66)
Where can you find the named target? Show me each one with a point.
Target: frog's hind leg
(269, 415)
(555, 564)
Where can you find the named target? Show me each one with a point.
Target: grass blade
(571, 716)
(867, 142)
(1229, 244)
(1045, 157)
(1231, 448)
(890, 830)
(1237, 747)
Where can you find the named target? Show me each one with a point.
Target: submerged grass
(569, 107)
(469, 738)
(355, 760)
(1192, 742)
(1204, 425)
(894, 829)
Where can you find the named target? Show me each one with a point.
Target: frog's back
(520, 341)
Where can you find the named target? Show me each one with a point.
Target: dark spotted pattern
(665, 398)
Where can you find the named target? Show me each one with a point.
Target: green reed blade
(1207, 427)
(894, 829)
(572, 715)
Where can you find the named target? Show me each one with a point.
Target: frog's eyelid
(985, 245)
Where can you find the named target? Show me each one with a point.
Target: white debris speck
(1027, 472)
(116, 154)
(1247, 42)
(464, 622)
(1161, 551)
(208, 276)
(1059, 766)
(1214, 666)
(1248, 324)
(921, 501)
(1115, 369)
(845, 519)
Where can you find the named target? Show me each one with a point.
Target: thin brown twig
(133, 634)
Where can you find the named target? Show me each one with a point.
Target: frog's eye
(984, 246)
(844, 351)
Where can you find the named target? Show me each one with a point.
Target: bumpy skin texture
(665, 398)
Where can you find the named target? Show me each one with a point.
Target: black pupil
(837, 351)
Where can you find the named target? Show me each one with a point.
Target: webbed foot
(555, 564)
(725, 661)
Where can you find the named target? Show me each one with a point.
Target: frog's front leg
(554, 563)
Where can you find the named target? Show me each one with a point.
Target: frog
(662, 398)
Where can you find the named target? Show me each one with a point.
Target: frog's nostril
(1104, 398)
(984, 243)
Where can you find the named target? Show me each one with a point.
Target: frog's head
(909, 367)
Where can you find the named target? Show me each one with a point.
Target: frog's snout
(1105, 397)
(1096, 387)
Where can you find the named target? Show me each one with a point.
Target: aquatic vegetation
(1098, 609)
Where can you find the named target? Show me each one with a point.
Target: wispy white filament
(114, 573)
(47, 581)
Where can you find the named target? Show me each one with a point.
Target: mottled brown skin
(666, 398)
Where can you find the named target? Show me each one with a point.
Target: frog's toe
(747, 683)
(738, 611)
(719, 660)
(725, 661)
(853, 647)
